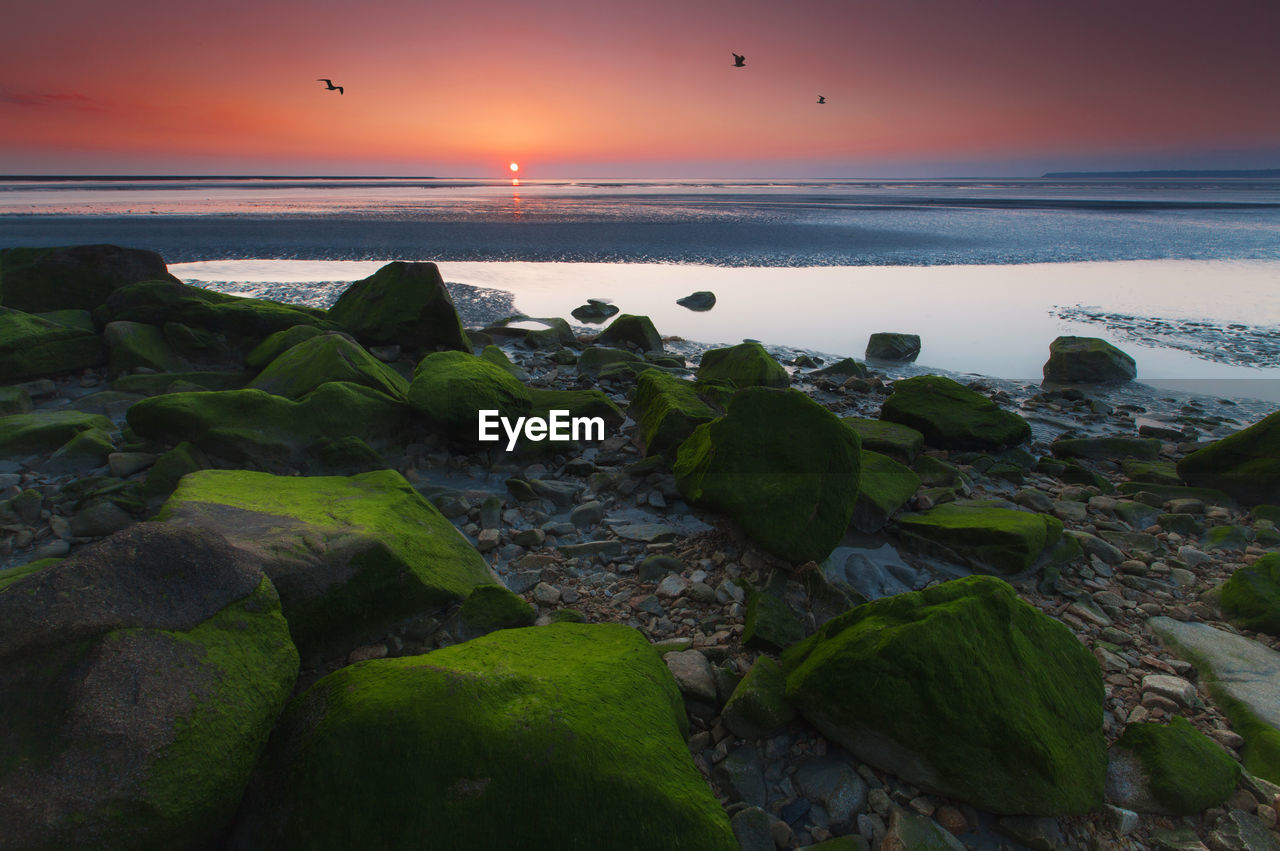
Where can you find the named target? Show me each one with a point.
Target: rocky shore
(262, 584)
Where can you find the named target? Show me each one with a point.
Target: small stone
(951, 819)
(672, 586)
(367, 652)
(693, 675)
(488, 539)
(1172, 688)
(547, 595)
(125, 464)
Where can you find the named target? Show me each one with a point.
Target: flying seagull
(821, 99)
(739, 61)
(329, 86)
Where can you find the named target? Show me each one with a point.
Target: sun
(514, 167)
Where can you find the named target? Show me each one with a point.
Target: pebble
(693, 674)
(547, 595)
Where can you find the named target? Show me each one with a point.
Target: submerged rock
(701, 300)
(1087, 360)
(593, 311)
(402, 303)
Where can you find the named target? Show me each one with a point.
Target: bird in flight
(821, 99)
(329, 86)
(739, 61)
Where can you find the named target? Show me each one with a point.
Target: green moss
(743, 365)
(759, 704)
(1208, 496)
(170, 467)
(635, 330)
(1161, 472)
(323, 358)
(492, 607)
(571, 735)
(13, 574)
(404, 303)
(159, 383)
(964, 689)
(951, 416)
(76, 277)
(988, 538)
(885, 487)
(1188, 772)
(1246, 465)
(936, 473)
(33, 346)
(1227, 538)
(1109, 449)
(498, 357)
(1266, 512)
(899, 442)
(450, 388)
(770, 624)
(596, 358)
(88, 448)
(568, 616)
(579, 403)
(137, 344)
(667, 410)
(45, 431)
(846, 368)
(1087, 360)
(1187, 525)
(1251, 596)
(781, 465)
(277, 344)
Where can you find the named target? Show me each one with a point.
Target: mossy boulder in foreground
(985, 537)
(78, 277)
(33, 346)
(1087, 360)
(743, 365)
(347, 554)
(139, 680)
(781, 465)
(951, 416)
(402, 303)
(451, 388)
(327, 357)
(962, 689)
(667, 410)
(1251, 597)
(568, 736)
(1246, 465)
(1172, 769)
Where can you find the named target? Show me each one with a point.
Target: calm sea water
(1182, 273)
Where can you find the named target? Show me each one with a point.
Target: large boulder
(951, 416)
(962, 689)
(899, 442)
(885, 487)
(277, 344)
(78, 277)
(1251, 596)
(139, 680)
(1172, 769)
(781, 465)
(893, 346)
(347, 554)
(451, 388)
(33, 346)
(137, 344)
(1087, 360)
(1108, 449)
(632, 330)
(983, 536)
(743, 365)
(327, 357)
(405, 304)
(1246, 464)
(667, 410)
(272, 432)
(567, 736)
(41, 432)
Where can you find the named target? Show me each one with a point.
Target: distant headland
(1251, 173)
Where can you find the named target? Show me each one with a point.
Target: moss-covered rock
(402, 303)
(347, 554)
(743, 365)
(1246, 465)
(545, 333)
(139, 680)
(33, 346)
(759, 704)
(884, 488)
(45, 431)
(87, 450)
(893, 346)
(1171, 769)
(1229, 537)
(323, 358)
(267, 430)
(1161, 472)
(1164, 493)
(14, 400)
(595, 359)
(985, 537)
(1108, 448)
(844, 368)
(962, 689)
(1087, 360)
(491, 607)
(951, 416)
(451, 388)
(781, 465)
(170, 467)
(627, 329)
(667, 410)
(137, 344)
(568, 735)
(277, 344)
(78, 277)
(899, 442)
(770, 624)
(498, 357)
(1251, 596)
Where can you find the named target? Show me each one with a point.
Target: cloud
(66, 101)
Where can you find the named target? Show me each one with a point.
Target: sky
(596, 88)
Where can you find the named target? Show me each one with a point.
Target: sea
(1183, 273)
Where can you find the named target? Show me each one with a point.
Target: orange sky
(578, 88)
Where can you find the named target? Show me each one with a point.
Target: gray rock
(1039, 834)
(909, 832)
(1241, 831)
(1174, 688)
(752, 827)
(125, 464)
(893, 346)
(672, 586)
(742, 775)
(98, 518)
(560, 493)
(588, 514)
(608, 549)
(693, 675)
(1095, 546)
(834, 783)
(547, 595)
(701, 300)
(648, 533)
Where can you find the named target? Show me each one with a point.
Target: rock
(404, 303)
(349, 555)
(521, 727)
(834, 784)
(951, 416)
(132, 345)
(752, 827)
(597, 359)
(492, 607)
(635, 330)
(743, 365)
(909, 832)
(593, 311)
(667, 410)
(656, 568)
(961, 689)
(770, 624)
(985, 537)
(546, 594)
(1097, 547)
(1245, 465)
(99, 518)
(327, 357)
(106, 657)
(899, 442)
(1158, 472)
(587, 514)
(1087, 360)
(693, 675)
(169, 469)
(1241, 831)
(32, 346)
(779, 464)
(14, 400)
(1251, 596)
(884, 488)
(78, 277)
(701, 300)
(1169, 769)
(1235, 538)
(759, 705)
(277, 344)
(843, 368)
(1243, 677)
(450, 388)
(742, 775)
(672, 586)
(893, 346)
(1107, 448)
(125, 464)
(88, 450)
(42, 432)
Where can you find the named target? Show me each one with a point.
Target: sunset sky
(592, 88)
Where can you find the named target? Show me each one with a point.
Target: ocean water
(1182, 273)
